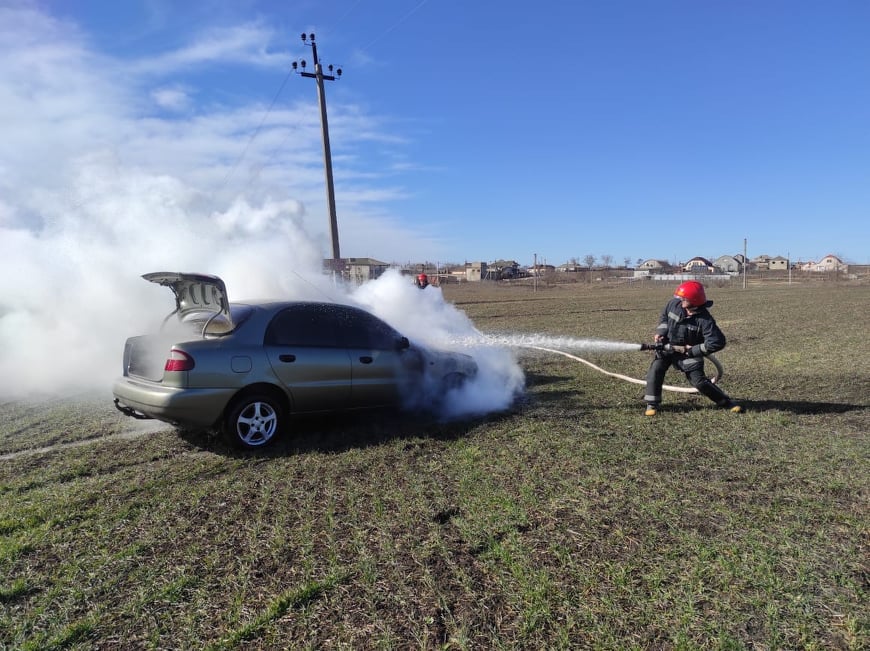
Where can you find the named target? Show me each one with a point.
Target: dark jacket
(697, 330)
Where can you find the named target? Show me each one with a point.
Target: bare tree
(607, 263)
(589, 260)
(626, 261)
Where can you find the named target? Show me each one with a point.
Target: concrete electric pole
(318, 76)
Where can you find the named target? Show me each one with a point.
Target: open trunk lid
(198, 297)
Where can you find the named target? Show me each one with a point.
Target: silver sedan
(244, 368)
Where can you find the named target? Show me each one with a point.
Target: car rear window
(208, 324)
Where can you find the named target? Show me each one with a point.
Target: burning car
(244, 368)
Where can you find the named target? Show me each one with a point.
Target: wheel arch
(261, 388)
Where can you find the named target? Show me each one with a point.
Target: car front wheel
(254, 421)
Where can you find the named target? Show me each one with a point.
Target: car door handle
(287, 358)
(365, 359)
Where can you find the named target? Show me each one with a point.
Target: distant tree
(589, 260)
(639, 261)
(627, 262)
(607, 260)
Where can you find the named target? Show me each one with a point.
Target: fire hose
(720, 371)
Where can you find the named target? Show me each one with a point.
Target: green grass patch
(569, 521)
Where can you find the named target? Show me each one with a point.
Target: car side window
(303, 325)
(360, 329)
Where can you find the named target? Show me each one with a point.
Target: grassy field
(569, 521)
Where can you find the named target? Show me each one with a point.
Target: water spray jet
(559, 346)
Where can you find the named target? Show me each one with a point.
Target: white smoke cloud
(96, 192)
(73, 291)
(426, 317)
(71, 288)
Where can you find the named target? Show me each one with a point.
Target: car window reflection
(303, 325)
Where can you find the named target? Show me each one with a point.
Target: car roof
(205, 296)
(273, 305)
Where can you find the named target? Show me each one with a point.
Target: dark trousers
(693, 367)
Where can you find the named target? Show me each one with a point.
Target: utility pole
(318, 75)
(745, 263)
(535, 269)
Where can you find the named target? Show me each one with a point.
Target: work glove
(682, 350)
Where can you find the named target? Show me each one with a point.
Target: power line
(256, 131)
(320, 77)
(396, 24)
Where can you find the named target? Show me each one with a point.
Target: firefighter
(689, 328)
(422, 281)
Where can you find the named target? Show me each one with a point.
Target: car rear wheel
(254, 421)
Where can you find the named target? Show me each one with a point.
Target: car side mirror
(403, 343)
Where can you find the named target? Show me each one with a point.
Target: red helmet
(423, 278)
(693, 292)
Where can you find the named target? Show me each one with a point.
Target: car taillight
(178, 360)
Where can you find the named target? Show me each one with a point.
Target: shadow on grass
(540, 379)
(345, 431)
(353, 430)
(793, 406)
(802, 406)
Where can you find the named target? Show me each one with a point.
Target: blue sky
(460, 130)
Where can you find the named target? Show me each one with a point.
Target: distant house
(652, 265)
(698, 265)
(778, 264)
(729, 264)
(571, 267)
(359, 270)
(543, 269)
(760, 262)
(502, 270)
(829, 263)
(475, 271)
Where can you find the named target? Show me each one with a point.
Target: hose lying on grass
(720, 371)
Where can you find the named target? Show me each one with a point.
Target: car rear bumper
(193, 408)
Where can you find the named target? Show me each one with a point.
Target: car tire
(254, 421)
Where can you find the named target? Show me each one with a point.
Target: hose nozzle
(660, 347)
